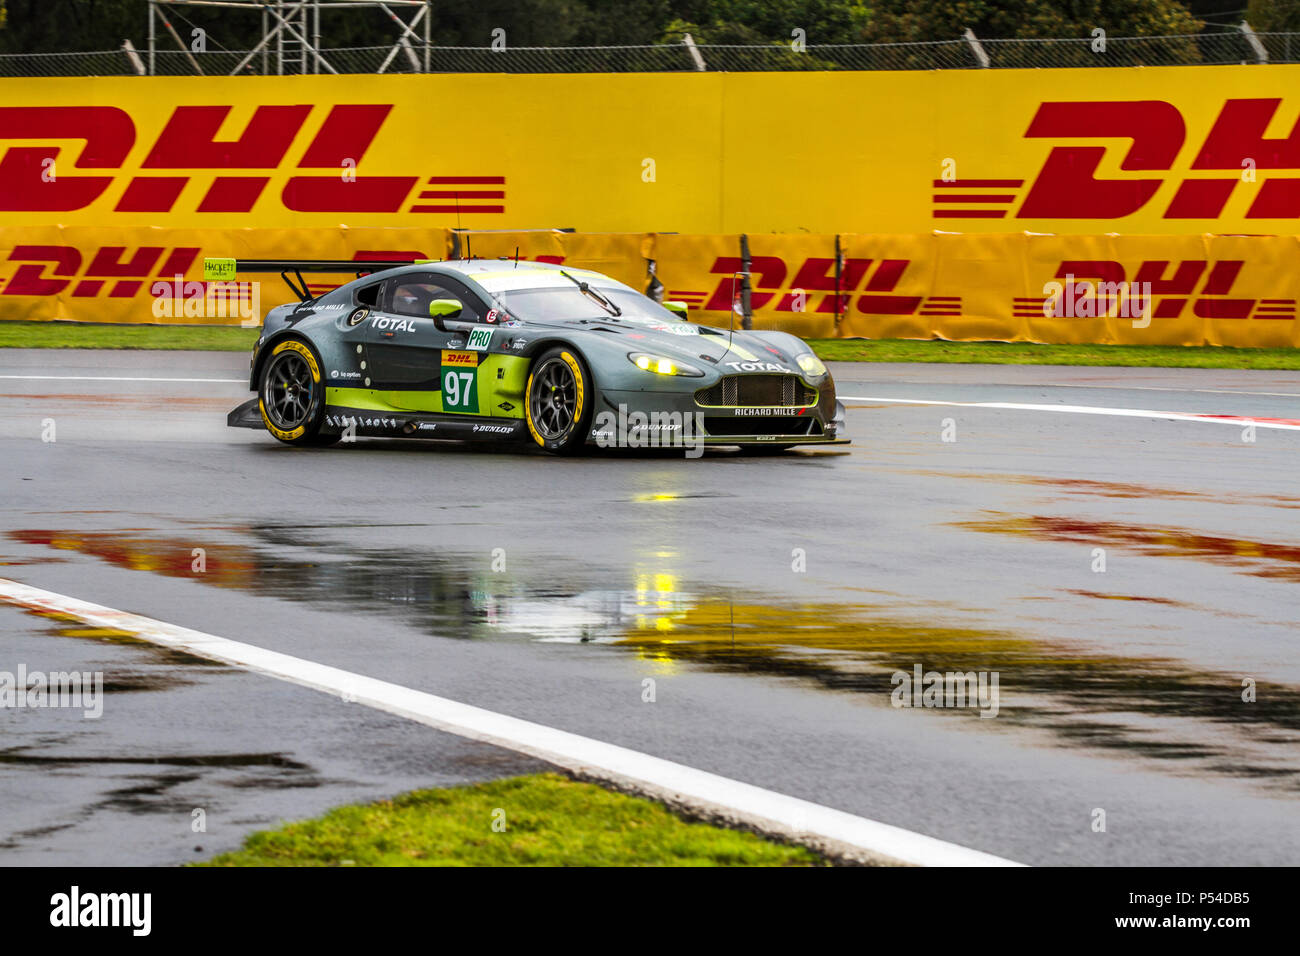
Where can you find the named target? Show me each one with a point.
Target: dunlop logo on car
(469, 359)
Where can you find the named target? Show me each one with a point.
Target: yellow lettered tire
(559, 400)
(291, 394)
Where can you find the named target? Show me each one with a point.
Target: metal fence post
(136, 63)
(695, 53)
(151, 37)
(976, 48)
(1261, 54)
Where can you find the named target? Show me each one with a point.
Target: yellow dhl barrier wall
(1151, 150)
(1170, 290)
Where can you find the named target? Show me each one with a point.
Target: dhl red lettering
(107, 130)
(1169, 308)
(29, 278)
(1223, 308)
(125, 289)
(233, 193)
(1183, 281)
(1200, 199)
(1277, 199)
(334, 194)
(180, 260)
(814, 275)
(25, 183)
(819, 275)
(345, 135)
(108, 261)
(1222, 276)
(888, 304)
(887, 274)
(1238, 135)
(1103, 269)
(1066, 187)
(151, 194)
(767, 272)
(189, 139)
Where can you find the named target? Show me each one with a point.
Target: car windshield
(540, 305)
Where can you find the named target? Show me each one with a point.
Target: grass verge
(81, 335)
(1024, 353)
(550, 820)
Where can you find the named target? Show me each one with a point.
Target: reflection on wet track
(1184, 719)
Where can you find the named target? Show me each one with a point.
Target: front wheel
(291, 395)
(559, 401)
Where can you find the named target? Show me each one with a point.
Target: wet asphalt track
(1119, 690)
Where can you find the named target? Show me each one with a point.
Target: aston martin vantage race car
(500, 350)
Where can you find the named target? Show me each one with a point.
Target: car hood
(738, 352)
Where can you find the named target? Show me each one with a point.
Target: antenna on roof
(469, 252)
(516, 257)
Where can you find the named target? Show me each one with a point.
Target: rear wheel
(291, 395)
(559, 401)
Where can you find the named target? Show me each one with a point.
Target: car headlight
(662, 365)
(811, 364)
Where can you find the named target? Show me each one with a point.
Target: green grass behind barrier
(79, 335)
(549, 820)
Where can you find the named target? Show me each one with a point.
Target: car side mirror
(440, 310)
(679, 309)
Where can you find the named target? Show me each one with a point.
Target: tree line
(30, 26)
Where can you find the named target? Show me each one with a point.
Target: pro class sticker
(479, 340)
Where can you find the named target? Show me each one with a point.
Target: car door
(417, 361)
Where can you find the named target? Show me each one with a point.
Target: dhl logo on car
(37, 178)
(1234, 152)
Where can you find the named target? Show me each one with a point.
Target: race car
(509, 350)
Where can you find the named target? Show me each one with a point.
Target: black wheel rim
(288, 391)
(553, 400)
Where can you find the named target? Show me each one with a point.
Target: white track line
(117, 378)
(751, 804)
(1237, 420)
(1116, 388)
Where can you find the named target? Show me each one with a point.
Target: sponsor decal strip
(759, 807)
(1289, 424)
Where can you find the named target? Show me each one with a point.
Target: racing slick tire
(559, 401)
(291, 395)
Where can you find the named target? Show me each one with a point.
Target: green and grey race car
(486, 349)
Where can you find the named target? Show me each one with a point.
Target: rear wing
(224, 270)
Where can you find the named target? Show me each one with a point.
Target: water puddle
(1258, 558)
(1069, 693)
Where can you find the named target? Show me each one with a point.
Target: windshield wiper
(605, 303)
